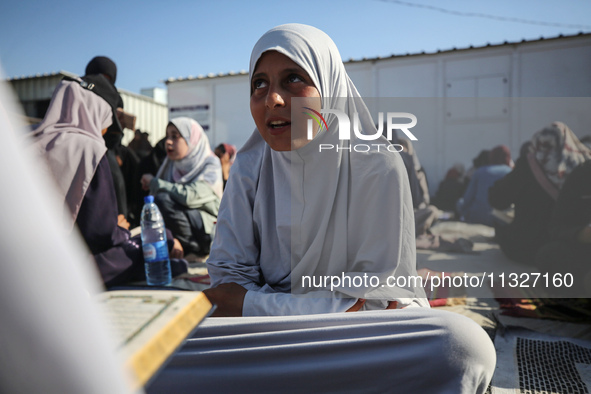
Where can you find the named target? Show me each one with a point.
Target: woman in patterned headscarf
(533, 187)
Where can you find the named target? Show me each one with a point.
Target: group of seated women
(547, 193)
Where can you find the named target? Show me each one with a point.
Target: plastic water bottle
(154, 244)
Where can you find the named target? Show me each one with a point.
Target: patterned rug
(535, 363)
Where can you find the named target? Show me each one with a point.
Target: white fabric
(329, 213)
(52, 337)
(196, 165)
(70, 139)
(414, 350)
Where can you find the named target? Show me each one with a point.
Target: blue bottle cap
(148, 199)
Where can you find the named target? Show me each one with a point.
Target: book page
(130, 314)
(149, 325)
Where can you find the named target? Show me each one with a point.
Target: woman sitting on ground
(533, 186)
(293, 216)
(451, 189)
(569, 246)
(473, 206)
(188, 185)
(70, 140)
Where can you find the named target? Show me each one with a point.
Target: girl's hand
(356, 306)
(360, 302)
(122, 222)
(229, 298)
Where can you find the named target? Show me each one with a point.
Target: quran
(149, 325)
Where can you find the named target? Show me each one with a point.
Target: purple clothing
(118, 256)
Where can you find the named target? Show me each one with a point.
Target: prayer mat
(573, 310)
(534, 363)
(522, 302)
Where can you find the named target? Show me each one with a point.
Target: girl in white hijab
(316, 213)
(293, 217)
(188, 185)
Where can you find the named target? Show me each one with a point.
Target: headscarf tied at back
(200, 164)
(351, 212)
(555, 152)
(70, 140)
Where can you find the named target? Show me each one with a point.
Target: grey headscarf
(70, 140)
(308, 213)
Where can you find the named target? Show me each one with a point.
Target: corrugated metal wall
(29, 89)
(152, 116)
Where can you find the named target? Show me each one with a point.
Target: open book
(151, 324)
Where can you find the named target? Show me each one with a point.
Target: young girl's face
(275, 81)
(176, 146)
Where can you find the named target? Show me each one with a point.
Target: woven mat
(535, 363)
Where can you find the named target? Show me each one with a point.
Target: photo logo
(344, 127)
(345, 124)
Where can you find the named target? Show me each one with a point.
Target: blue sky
(153, 40)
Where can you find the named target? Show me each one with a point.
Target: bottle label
(156, 251)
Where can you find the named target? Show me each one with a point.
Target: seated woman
(451, 189)
(70, 140)
(290, 212)
(569, 246)
(227, 154)
(473, 206)
(188, 185)
(533, 187)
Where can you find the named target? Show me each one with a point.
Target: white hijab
(197, 165)
(71, 142)
(330, 213)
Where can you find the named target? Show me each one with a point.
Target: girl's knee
(467, 349)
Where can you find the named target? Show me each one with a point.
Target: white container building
(465, 99)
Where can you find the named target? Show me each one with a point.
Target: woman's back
(476, 208)
(533, 209)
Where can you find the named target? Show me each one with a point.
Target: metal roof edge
(208, 76)
(422, 53)
(471, 47)
(50, 74)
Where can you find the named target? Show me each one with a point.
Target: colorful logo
(317, 117)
